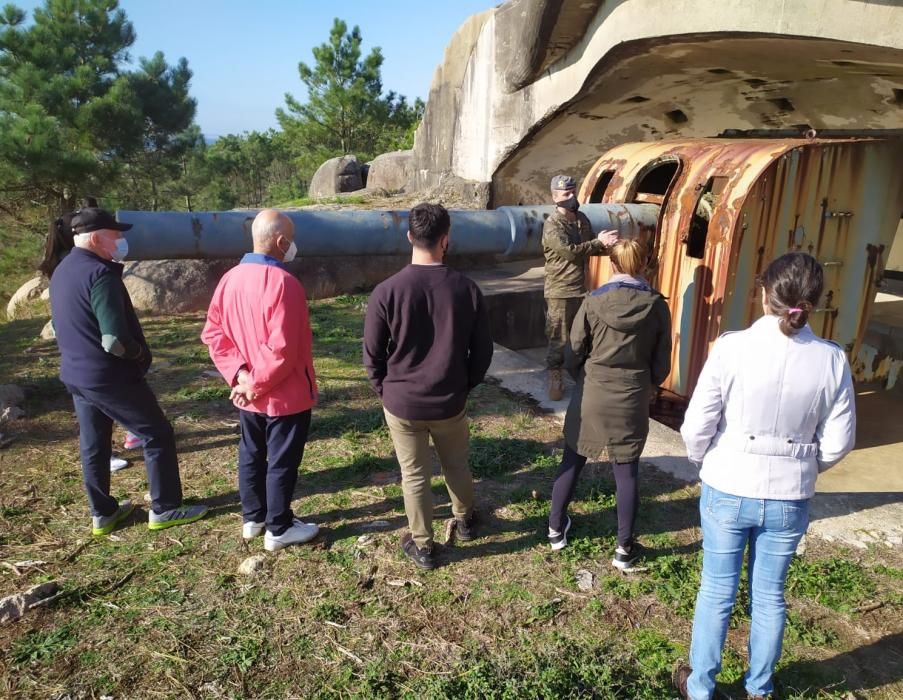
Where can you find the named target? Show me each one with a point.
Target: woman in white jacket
(774, 406)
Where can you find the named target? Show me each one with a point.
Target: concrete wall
(895, 257)
(651, 69)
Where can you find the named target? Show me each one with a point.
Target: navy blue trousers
(269, 455)
(135, 407)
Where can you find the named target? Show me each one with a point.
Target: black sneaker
(421, 557)
(559, 540)
(467, 529)
(625, 559)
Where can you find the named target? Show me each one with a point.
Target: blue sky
(245, 54)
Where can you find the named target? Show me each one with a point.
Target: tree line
(77, 119)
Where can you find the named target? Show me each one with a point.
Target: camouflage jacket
(566, 246)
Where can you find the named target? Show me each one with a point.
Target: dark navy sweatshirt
(97, 329)
(427, 341)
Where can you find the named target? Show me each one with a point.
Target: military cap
(563, 182)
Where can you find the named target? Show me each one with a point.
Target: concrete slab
(514, 297)
(517, 276)
(859, 502)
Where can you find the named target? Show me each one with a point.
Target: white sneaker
(298, 533)
(118, 463)
(250, 530)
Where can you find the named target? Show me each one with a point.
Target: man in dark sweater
(103, 360)
(426, 345)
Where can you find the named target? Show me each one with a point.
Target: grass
(20, 253)
(168, 615)
(307, 201)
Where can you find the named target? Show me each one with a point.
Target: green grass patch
(205, 393)
(42, 646)
(307, 201)
(168, 615)
(836, 583)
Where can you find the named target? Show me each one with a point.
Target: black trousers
(135, 407)
(269, 455)
(627, 495)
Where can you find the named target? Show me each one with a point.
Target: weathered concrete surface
(514, 296)
(894, 263)
(859, 502)
(881, 352)
(434, 148)
(643, 70)
(555, 28)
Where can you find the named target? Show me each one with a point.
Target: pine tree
(71, 119)
(346, 111)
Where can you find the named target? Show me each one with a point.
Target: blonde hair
(631, 256)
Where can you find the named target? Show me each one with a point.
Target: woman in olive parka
(620, 352)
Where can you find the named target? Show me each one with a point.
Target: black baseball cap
(93, 219)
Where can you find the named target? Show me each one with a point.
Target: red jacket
(258, 319)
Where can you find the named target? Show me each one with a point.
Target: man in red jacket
(259, 336)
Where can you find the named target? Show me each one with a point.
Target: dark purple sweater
(426, 341)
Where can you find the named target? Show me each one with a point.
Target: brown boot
(679, 675)
(556, 385)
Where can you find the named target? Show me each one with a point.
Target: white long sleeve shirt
(770, 412)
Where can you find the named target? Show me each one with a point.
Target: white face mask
(121, 251)
(290, 253)
(120, 248)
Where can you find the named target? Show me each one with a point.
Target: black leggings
(627, 495)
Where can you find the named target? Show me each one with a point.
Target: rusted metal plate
(841, 200)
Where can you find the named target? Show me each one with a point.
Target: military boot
(556, 385)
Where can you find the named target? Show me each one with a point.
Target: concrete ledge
(514, 296)
(520, 375)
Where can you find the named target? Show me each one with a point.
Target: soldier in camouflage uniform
(567, 241)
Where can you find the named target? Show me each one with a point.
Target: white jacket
(770, 412)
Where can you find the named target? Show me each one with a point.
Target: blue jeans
(772, 529)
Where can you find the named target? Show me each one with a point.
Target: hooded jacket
(620, 350)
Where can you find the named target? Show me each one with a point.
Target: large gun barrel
(507, 232)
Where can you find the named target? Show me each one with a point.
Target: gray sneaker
(177, 516)
(105, 524)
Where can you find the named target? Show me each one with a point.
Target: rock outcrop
(335, 176)
(29, 292)
(390, 171)
(173, 286)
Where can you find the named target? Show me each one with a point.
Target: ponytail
(59, 242)
(793, 286)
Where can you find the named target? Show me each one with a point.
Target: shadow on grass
(868, 667)
(493, 459)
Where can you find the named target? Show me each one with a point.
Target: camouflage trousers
(559, 319)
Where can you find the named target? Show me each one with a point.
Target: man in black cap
(567, 241)
(103, 360)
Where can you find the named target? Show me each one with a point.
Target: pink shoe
(132, 441)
